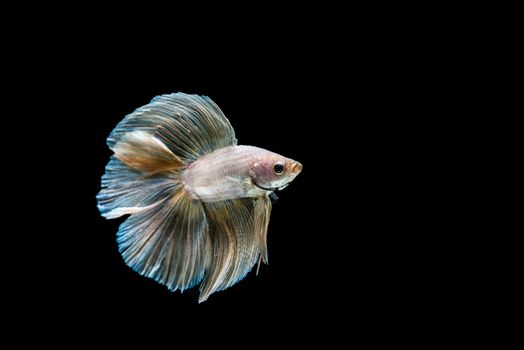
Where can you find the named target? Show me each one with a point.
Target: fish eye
(278, 168)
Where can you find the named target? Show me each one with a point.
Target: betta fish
(199, 204)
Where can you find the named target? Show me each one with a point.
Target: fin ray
(167, 242)
(125, 190)
(190, 126)
(233, 241)
(142, 151)
(262, 213)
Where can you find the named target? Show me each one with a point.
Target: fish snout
(296, 168)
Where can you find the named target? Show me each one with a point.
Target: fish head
(274, 172)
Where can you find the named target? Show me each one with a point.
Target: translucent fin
(262, 212)
(233, 243)
(126, 190)
(167, 242)
(190, 126)
(143, 152)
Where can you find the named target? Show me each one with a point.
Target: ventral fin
(262, 206)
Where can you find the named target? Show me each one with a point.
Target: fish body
(198, 203)
(231, 172)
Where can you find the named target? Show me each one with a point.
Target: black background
(340, 236)
(352, 241)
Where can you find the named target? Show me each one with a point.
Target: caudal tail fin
(166, 236)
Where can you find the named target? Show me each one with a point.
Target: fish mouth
(296, 168)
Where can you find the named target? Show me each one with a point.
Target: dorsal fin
(190, 126)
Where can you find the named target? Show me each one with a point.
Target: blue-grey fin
(167, 241)
(141, 172)
(274, 198)
(190, 126)
(125, 190)
(236, 231)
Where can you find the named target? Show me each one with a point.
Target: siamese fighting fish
(198, 203)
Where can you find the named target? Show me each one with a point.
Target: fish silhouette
(199, 204)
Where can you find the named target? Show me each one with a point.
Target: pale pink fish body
(237, 172)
